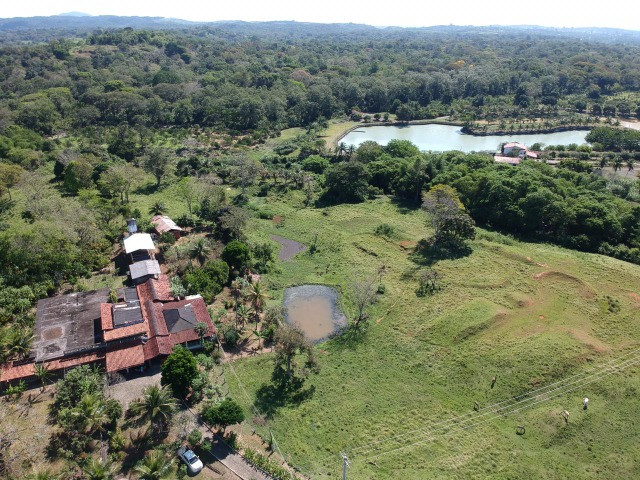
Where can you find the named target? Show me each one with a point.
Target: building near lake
(144, 323)
(513, 153)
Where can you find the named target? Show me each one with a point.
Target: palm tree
(158, 208)
(243, 313)
(258, 298)
(42, 373)
(155, 466)
(261, 336)
(351, 149)
(342, 149)
(97, 469)
(617, 164)
(200, 251)
(629, 165)
(91, 414)
(603, 162)
(156, 406)
(236, 290)
(18, 344)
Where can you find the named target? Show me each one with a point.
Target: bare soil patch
(288, 248)
(584, 289)
(636, 298)
(314, 309)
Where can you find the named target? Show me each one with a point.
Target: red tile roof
(127, 357)
(128, 331)
(155, 298)
(106, 316)
(12, 372)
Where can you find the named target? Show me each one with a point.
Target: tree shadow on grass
(281, 392)
(404, 206)
(427, 253)
(350, 336)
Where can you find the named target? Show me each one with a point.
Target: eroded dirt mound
(553, 275)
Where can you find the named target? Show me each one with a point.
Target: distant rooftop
(66, 323)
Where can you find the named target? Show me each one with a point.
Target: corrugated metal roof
(138, 241)
(145, 267)
(164, 224)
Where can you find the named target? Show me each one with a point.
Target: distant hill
(74, 14)
(38, 29)
(77, 20)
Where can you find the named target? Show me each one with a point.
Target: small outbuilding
(164, 224)
(139, 247)
(144, 270)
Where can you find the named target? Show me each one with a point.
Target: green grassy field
(530, 314)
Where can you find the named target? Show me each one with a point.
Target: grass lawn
(529, 314)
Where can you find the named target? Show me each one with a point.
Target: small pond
(441, 138)
(315, 310)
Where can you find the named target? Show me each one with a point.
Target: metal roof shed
(144, 268)
(138, 241)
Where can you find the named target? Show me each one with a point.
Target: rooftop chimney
(132, 226)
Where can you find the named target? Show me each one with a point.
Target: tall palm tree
(200, 251)
(154, 466)
(242, 313)
(351, 149)
(236, 290)
(342, 149)
(603, 162)
(42, 373)
(257, 297)
(629, 164)
(97, 469)
(617, 164)
(156, 406)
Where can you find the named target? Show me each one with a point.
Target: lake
(440, 138)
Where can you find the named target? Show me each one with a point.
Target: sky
(406, 13)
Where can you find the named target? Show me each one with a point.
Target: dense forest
(226, 78)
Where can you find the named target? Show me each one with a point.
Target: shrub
(429, 282)
(179, 370)
(207, 280)
(231, 335)
(223, 414)
(315, 164)
(236, 255)
(384, 230)
(194, 438)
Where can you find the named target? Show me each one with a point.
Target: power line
(505, 410)
(474, 414)
(600, 375)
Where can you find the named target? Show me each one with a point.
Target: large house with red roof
(513, 153)
(85, 328)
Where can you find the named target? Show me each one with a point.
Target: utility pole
(345, 463)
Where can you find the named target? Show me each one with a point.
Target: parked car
(194, 464)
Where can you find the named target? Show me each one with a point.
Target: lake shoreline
(444, 136)
(470, 132)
